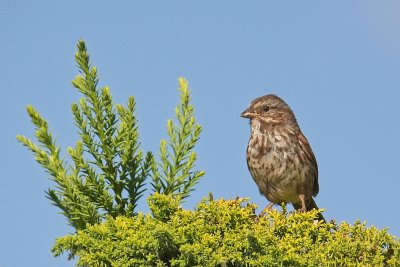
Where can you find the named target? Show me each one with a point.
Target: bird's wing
(310, 155)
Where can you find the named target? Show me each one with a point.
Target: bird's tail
(312, 205)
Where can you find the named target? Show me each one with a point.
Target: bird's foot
(303, 204)
(266, 209)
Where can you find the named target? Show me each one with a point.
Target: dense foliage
(227, 233)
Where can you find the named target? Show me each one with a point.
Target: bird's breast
(274, 165)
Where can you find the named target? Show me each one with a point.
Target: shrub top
(227, 233)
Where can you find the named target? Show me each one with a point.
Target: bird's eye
(265, 108)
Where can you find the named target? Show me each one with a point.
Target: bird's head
(269, 109)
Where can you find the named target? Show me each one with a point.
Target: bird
(279, 156)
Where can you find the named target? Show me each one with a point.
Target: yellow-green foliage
(227, 233)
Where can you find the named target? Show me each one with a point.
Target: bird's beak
(248, 113)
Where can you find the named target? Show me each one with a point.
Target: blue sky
(336, 63)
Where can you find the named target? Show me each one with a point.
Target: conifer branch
(174, 173)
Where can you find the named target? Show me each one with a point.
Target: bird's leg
(268, 207)
(303, 203)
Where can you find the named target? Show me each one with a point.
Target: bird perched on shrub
(279, 157)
